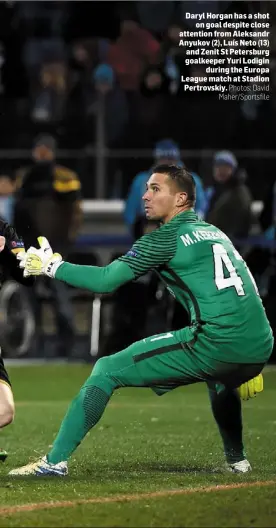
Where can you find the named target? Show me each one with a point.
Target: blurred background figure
(109, 103)
(268, 215)
(229, 199)
(263, 260)
(133, 50)
(50, 94)
(48, 202)
(166, 151)
(7, 190)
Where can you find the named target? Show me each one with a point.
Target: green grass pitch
(151, 461)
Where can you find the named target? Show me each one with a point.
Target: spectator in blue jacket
(166, 151)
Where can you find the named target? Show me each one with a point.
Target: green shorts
(166, 361)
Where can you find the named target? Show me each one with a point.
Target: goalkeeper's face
(162, 200)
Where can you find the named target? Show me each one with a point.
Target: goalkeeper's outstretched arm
(150, 251)
(98, 279)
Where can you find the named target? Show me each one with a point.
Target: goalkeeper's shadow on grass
(105, 470)
(176, 468)
(110, 477)
(104, 473)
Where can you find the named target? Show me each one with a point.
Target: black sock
(226, 407)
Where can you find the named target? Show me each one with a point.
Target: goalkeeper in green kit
(227, 344)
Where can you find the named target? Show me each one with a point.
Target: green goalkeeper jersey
(207, 275)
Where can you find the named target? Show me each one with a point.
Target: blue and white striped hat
(226, 157)
(167, 148)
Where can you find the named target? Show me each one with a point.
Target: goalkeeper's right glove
(251, 388)
(40, 261)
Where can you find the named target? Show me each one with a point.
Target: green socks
(87, 408)
(226, 407)
(84, 412)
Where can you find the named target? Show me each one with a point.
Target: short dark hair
(181, 177)
(45, 140)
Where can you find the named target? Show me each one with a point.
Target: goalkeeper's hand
(40, 261)
(251, 388)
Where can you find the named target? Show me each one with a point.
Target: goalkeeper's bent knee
(101, 376)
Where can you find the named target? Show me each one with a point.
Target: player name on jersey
(199, 236)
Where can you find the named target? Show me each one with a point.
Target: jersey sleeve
(13, 241)
(151, 250)
(9, 263)
(95, 278)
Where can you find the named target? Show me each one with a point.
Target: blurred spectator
(84, 59)
(131, 53)
(229, 199)
(109, 100)
(48, 204)
(170, 50)
(153, 103)
(7, 189)
(166, 151)
(267, 217)
(155, 82)
(36, 51)
(50, 100)
(263, 260)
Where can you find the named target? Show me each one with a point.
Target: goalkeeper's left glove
(251, 388)
(40, 261)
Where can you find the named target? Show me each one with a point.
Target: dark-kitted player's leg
(6, 403)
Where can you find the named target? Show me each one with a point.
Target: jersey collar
(185, 216)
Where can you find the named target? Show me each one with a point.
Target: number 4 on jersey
(221, 258)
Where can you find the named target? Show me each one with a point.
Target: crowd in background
(60, 61)
(62, 64)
